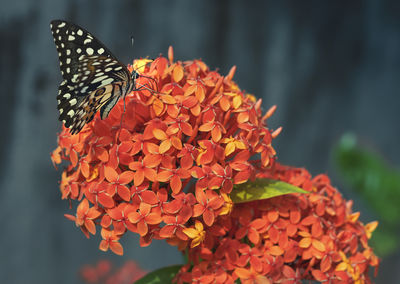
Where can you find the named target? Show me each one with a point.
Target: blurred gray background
(330, 67)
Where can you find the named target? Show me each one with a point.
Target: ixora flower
(285, 239)
(178, 158)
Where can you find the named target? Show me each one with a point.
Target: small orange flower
(232, 145)
(110, 241)
(208, 206)
(84, 217)
(167, 140)
(250, 276)
(228, 205)
(144, 217)
(174, 176)
(145, 169)
(97, 193)
(118, 182)
(197, 234)
(120, 220)
(370, 227)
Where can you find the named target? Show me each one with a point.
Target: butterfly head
(134, 75)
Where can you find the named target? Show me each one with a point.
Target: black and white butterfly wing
(93, 77)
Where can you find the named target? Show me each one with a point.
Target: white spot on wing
(67, 96)
(107, 81)
(61, 25)
(89, 50)
(86, 41)
(71, 37)
(71, 113)
(98, 79)
(73, 102)
(100, 50)
(80, 32)
(75, 78)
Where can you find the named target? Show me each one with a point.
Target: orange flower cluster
(104, 273)
(286, 239)
(171, 162)
(166, 169)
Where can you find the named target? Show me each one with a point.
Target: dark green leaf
(162, 275)
(371, 176)
(378, 183)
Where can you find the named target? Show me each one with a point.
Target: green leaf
(262, 189)
(369, 174)
(162, 275)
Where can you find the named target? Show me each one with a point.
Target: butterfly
(93, 78)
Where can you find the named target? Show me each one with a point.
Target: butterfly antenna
(123, 113)
(150, 78)
(154, 80)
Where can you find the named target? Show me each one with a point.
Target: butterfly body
(93, 78)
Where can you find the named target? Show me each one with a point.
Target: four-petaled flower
(110, 241)
(208, 206)
(197, 234)
(144, 217)
(118, 182)
(84, 217)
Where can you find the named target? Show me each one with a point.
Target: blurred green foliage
(378, 183)
(159, 276)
